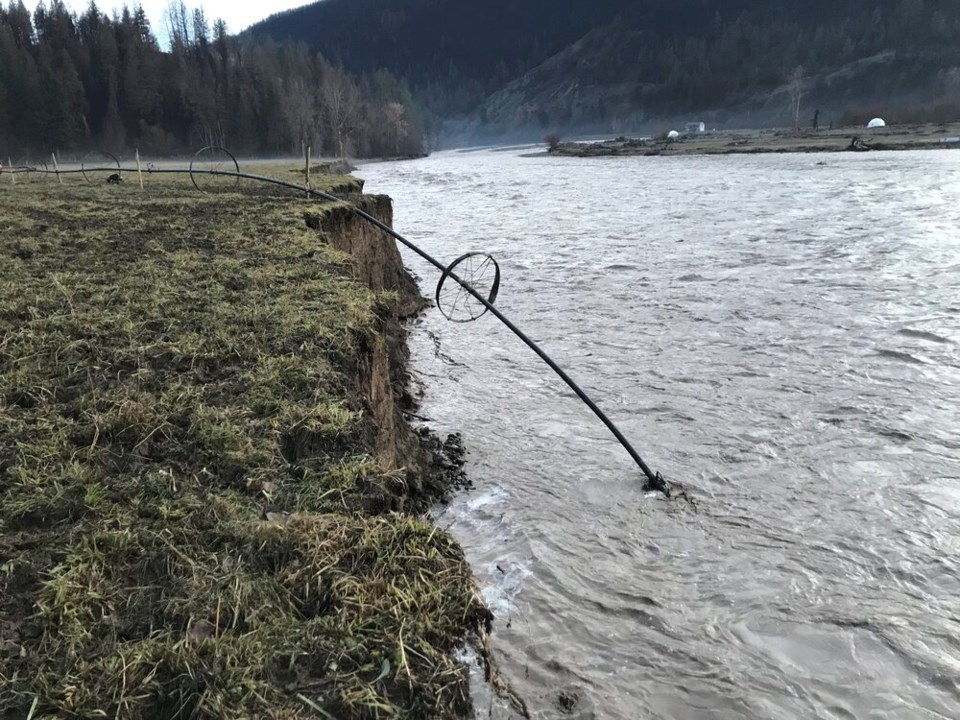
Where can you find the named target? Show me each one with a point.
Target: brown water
(783, 337)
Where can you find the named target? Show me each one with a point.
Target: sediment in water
(209, 493)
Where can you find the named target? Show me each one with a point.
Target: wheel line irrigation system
(654, 481)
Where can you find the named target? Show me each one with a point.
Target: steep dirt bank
(207, 484)
(382, 376)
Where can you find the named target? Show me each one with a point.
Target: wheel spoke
(468, 301)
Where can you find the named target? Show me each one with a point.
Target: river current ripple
(781, 334)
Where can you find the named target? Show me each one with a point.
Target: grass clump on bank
(194, 491)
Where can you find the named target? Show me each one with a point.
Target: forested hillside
(75, 82)
(335, 74)
(905, 67)
(456, 52)
(550, 62)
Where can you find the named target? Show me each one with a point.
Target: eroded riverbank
(209, 491)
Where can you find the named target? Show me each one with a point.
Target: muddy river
(781, 335)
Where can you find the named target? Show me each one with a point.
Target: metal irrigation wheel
(206, 168)
(98, 167)
(478, 271)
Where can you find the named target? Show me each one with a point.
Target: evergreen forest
(74, 82)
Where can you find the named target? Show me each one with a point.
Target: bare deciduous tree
(396, 121)
(340, 108)
(179, 24)
(300, 112)
(796, 95)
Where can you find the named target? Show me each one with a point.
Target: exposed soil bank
(208, 490)
(745, 142)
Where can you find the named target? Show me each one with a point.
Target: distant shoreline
(754, 142)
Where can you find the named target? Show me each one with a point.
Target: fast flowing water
(781, 334)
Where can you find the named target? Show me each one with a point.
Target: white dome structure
(673, 135)
(876, 123)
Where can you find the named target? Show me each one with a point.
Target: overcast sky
(239, 14)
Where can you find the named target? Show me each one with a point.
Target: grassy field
(192, 515)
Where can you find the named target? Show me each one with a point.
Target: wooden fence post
(56, 167)
(306, 172)
(139, 169)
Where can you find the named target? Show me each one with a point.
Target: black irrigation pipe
(655, 481)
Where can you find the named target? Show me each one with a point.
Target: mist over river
(780, 334)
